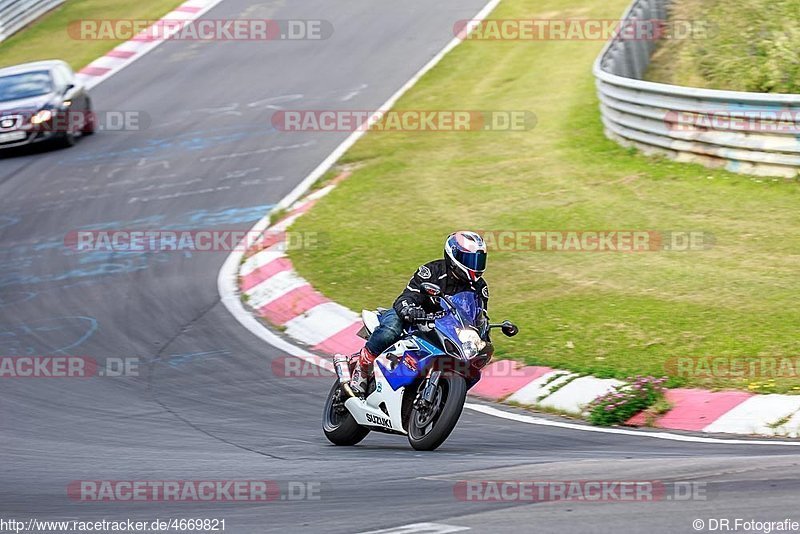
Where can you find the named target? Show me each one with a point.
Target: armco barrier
(16, 14)
(753, 133)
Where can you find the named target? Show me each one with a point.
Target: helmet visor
(474, 261)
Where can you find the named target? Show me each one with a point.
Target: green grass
(613, 315)
(47, 38)
(754, 46)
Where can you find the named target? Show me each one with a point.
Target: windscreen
(468, 311)
(24, 85)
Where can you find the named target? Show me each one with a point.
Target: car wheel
(91, 121)
(66, 140)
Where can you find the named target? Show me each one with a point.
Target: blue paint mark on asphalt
(121, 267)
(16, 297)
(20, 258)
(58, 335)
(189, 142)
(175, 360)
(230, 215)
(6, 221)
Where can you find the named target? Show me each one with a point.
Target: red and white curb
(278, 294)
(274, 290)
(129, 51)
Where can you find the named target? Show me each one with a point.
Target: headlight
(43, 116)
(471, 342)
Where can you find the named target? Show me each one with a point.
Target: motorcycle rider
(460, 270)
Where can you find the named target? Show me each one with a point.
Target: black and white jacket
(436, 272)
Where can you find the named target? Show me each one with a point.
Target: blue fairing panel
(403, 375)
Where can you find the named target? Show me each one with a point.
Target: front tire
(91, 121)
(338, 424)
(66, 140)
(427, 429)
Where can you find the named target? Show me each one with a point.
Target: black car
(43, 101)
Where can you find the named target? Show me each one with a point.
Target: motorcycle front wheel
(429, 427)
(338, 424)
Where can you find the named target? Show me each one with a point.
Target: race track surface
(206, 404)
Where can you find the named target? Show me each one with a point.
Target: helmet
(465, 255)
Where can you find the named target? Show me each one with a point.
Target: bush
(626, 401)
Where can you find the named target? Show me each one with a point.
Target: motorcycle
(420, 383)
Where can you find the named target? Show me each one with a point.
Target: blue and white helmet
(465, 255)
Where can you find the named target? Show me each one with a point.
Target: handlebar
(431, 317)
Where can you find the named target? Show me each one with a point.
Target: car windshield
(24, 85)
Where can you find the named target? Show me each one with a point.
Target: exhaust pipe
(342, 365)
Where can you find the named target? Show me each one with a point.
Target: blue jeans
(387, 334)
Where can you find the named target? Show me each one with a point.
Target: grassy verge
(753, 46)
(47, 38)
(609, 314)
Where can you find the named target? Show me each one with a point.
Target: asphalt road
(206, 404)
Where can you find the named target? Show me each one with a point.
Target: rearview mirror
(509, 329)
(431, 289)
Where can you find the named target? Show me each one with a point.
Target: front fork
(431, 385)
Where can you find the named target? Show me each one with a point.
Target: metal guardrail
(753, 133)
(16, 14)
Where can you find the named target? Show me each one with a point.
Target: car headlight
(471, 342)
(43, 116)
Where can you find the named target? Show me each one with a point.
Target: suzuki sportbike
(420, 383)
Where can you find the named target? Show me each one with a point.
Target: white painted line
(320, 323)
(574, 396)
(226, 285)
(521, 418)
(420, 528)
(227, 278)
(756, 414)
(328, 162)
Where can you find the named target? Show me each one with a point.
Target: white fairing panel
(370, 319)
(368, 412)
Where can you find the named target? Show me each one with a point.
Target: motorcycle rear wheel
(338, 424)
(428, 429)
